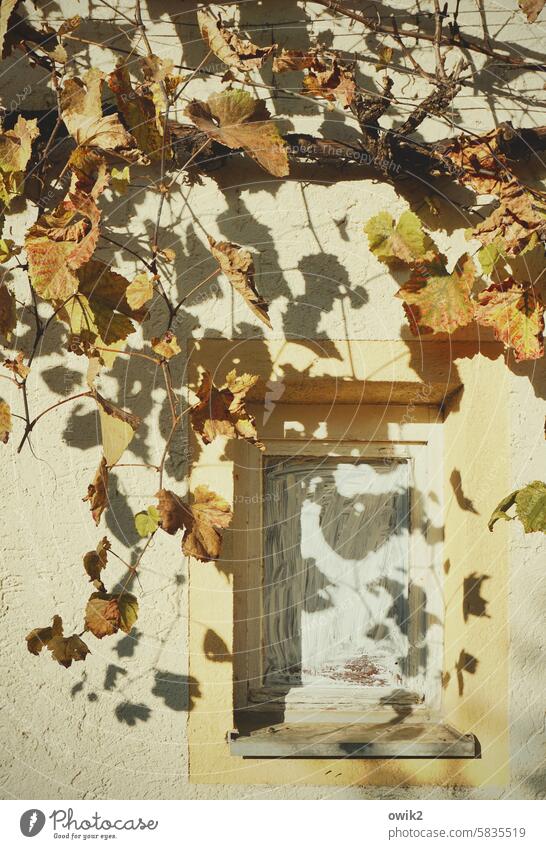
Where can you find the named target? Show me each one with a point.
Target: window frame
(420, 442)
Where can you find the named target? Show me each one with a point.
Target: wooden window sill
(400, 739)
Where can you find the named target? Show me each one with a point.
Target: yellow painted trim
(474, 390)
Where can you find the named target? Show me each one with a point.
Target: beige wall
(116, 726)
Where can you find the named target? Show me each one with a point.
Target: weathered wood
(405, 739)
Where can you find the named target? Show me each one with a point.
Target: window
(345, 543)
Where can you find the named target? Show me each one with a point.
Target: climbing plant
(107, 131)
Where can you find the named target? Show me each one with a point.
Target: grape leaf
(17, 365)
(38, 638)
(402, 244)
(531, 8)
(81, 110)
(531, 507)
(490, 255)
(436, 301)
(235, 52)
(61, 242)
(202, 521)
(477, 162)
(107, 613)
(97, 492)
(332, 83)
(173, 512)
(238, 121)
(238, 266)
(63, 649)
(209, 515)
(15, 152)
(518, 222)
(298, 60)
(147, 521)
(516, 313)
(95, 561)
(166, 346)
(8, 314)
(100, 311)
(139, 291)
(222, 412)
(530, 504)
(5, 421)
(140, 112)
(118, 428)
(66, 649)
(89, 172)
(6, 9)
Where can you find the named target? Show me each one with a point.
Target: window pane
(336, 564)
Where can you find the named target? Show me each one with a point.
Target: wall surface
(115, 727)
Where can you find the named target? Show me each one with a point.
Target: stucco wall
(115, 727)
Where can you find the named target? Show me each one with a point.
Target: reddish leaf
(516, 313)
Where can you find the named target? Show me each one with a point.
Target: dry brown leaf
(97, 492)
(333, 83)
(17, 366)
(166, 346)
(5, 421)
(141, 110)
(38, 638)
(238, 121)
(89, 172)
(202, 521)
(107, 613)
(63, 649)
(8, 314)
(518, 222)
(66, 649)
(222, 412)
(95, 561)
(173, 512)
(516, 313)
(210, 514)
(298, 60)
(477, 162)
(238, 266)
(532, 8)
(81, 109)
(233, 51)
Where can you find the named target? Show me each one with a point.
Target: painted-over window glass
(336, 571)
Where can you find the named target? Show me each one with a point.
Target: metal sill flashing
(403, 739)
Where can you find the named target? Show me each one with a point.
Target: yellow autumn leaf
(5, 421)
(238, 121)
(118, 428)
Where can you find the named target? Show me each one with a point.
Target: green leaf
(530, 504)
(489, 256)
(147, 522)
(128, 612)
(531, 507)
(402, 244)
